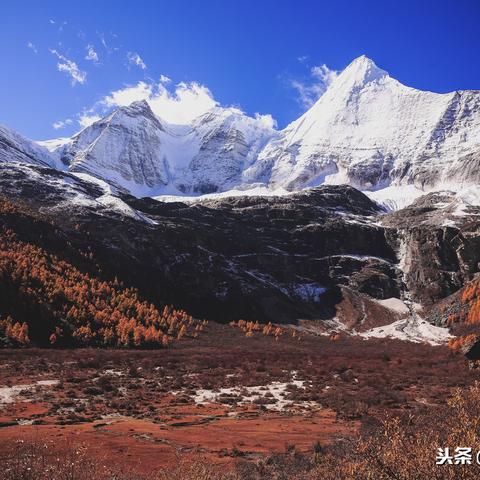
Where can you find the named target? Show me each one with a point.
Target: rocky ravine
(328, 254)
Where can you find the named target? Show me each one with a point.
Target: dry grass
(403, 448)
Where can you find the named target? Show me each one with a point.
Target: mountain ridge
(367, 130)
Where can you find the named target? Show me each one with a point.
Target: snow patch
(10, 394)
(309, 291)
(274, 390)
(395, 197)
(394, 304)
(419, 331)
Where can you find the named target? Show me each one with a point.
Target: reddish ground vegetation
(461, 313)
(46, 300)
(401, 448)
(140, 409)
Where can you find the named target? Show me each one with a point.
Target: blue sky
(258, 55)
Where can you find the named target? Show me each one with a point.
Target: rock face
(367, 130)
(277, 259)
(438, 242)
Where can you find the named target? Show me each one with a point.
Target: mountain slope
(328, 253)
(15, 148)
(260, 258)
(48, 301)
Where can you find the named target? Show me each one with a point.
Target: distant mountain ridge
(367, 130)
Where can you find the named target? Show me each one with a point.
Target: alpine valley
(361, 215)
(223, 300)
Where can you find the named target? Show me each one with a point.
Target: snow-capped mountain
(15, 148)
(370, 131)
(125, 148)
(229, 143)
(139, 152)
(367, 130)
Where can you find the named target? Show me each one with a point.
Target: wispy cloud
(32, 47)
(70, 68)
(324, 75)
(311, 88)
(92, 55)
(62, 124)
(109, 45)
(134, 58)
(101, 36)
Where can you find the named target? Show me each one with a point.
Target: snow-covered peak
(359, 82)
(228, 143)
(132, 114)
(360, 72)
(370, 131)
(367, 130)
(124, 148)
(232, 118)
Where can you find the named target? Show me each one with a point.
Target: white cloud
(309, 90)
(125, 96)
(181, 105)
(302, 58)
(186, 102)
(177, 104)
(70, 68)
(92, 55)
(62, 124)
(32, 47)
(266, 120)
(135, 59)
(86, 119)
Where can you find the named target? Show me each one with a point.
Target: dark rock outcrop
(274, 259)
(438, 240)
